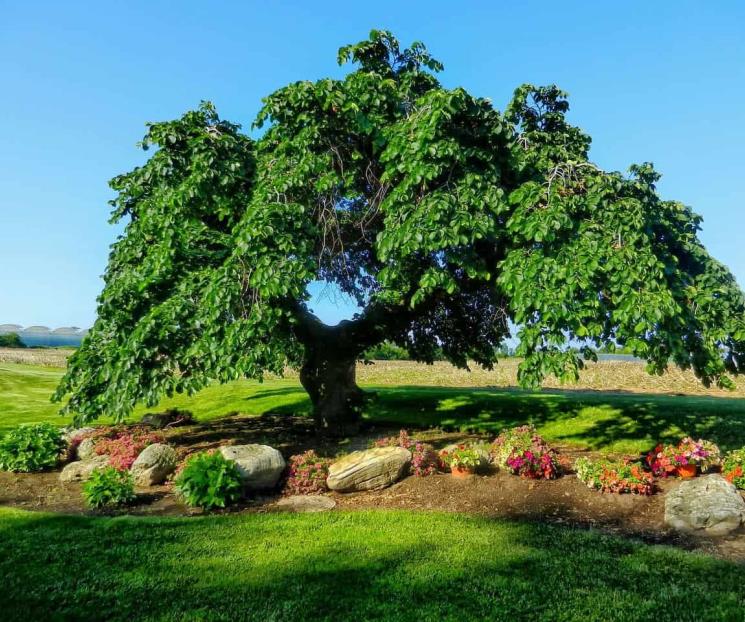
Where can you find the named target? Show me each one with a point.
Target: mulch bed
(496, 495)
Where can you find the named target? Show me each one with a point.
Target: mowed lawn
(614, 422)
(370, 565)
(348, 566)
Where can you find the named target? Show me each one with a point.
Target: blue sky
(659, 81)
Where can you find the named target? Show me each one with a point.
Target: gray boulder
(369, 470)
(87, 449)
(154, 464)
(81, 470)
(707, 504)
(260, 466)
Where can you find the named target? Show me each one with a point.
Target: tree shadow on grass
(620, 422)
(341, 566)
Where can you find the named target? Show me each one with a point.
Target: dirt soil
(495, 494)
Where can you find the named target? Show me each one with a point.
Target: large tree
(447, 221)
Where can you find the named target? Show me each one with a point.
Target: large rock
(368, 470)
(81, 470)
(260, 466)
(87, 449)
(154, 464)
(707, 504)
(168, 419)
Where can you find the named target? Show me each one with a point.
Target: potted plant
(685, 459)
(462, 460)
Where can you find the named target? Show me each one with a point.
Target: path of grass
(605, 421)
(348, 566)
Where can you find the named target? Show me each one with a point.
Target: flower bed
(122, 444)
(667, 460)
(524, 452)
(623, 476)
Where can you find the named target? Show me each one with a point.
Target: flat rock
(260, 466)
(369, 470)
(707, 504)
(307, 503)
(81, 470)
(154, 464)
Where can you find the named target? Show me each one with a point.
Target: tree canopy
(445, 219)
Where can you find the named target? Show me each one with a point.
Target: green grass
(348, 566)
(625, 423)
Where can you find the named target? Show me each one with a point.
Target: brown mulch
(496, 494)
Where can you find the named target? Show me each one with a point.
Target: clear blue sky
(661, 81)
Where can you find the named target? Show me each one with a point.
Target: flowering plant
(623, 476)
(733, 467)
(308, 473)
(424, 459)
(510, 440)
(524, 452)
(461, 457)
(664, 460)
(122, 446)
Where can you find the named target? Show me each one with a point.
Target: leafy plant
(733, 467)
(623, 476)
(462, 456)
(517, 439)
(307, 474)
(447, 220)
(524, 452)
(108, 487)
(208, 480)
(30, 448)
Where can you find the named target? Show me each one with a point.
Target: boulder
(154, 464)
(707, 504)
(307, 503)
(71, 434)
(87, 449)
(260, 466)
(369, 470)
(81, 470)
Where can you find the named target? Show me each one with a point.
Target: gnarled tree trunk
(330, 383)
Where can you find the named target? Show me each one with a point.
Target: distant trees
(11, 340)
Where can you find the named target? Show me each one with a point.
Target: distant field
(601, 376)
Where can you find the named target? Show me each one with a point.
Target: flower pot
(461, 472)
(688, 471)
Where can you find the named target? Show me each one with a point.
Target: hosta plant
(733, 467)
(208, 480)
(618, 476)
(109, 487)
(307, 474)
(30, 448)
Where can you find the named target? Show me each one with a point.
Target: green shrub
(31, 448)
(386, 351)
(208, 480)
(108, 487)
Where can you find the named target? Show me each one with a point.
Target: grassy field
(348, 566)
(616, 422)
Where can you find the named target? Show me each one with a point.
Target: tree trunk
(337, 400)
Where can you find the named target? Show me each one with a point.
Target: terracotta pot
(461, 472)
(688, 471)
